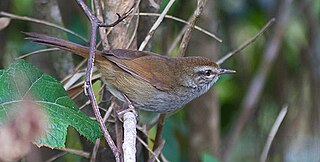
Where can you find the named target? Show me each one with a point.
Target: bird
(147, 80)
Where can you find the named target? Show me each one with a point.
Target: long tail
(62, 44)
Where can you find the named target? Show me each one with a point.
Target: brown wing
(144, 65)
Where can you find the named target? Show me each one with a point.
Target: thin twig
(95, 150)
(147, 147)
(248, 42)
(85, 104)
(75, 77)
(158, 138)
(25, 18)
(164, 159)
(120, 18)
(182, 21)
(56, 156)
(155, 25)
(157, 151)
(77, 152)
(186, 37)
(273, 133)
(80, 84)
(135, 30)
(109, 111)
(177, 39)
(37, 52)
(153, 121)
(76, 70)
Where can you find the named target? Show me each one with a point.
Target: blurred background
(233, 120)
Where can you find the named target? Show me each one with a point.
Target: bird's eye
(208, 72)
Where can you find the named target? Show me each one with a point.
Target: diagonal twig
(192, 22)
(155, 25)
(272, 133)
(25, 18)
(76, 152)
(55, 157)
(36, 52)
(248, 42)
(95, 150)
(182, 21)
(147, 147)
(158, 138)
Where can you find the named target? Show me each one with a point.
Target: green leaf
(21, 81)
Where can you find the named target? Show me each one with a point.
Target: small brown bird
(150, 81)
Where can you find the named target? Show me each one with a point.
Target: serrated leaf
(4, 22)
(22, 81)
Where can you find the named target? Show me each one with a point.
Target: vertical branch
(186, 37)
(95, 23)
(249, 104)
(118, 127)
(88, 86)
(130, 133)
(158, 138)
(119, 37)
(95, 150)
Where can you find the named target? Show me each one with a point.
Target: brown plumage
(150, 81)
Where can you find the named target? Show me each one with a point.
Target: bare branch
(147, 147)
(182, 21)
(247, 43)
(77, 152)
(95, 23)
(155, 25)
(273, 132)
(36, 52)
(158, 138)
(25, 18)
(95, 150)
(53, 158)
(130, 134)
(186, 37)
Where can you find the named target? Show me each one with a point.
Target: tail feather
(59, 43)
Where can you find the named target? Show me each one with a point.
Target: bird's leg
(129, 107)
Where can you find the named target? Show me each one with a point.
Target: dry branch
(272, 133)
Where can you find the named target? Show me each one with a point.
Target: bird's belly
(143, 95)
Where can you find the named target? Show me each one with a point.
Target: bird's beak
(226, 71)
